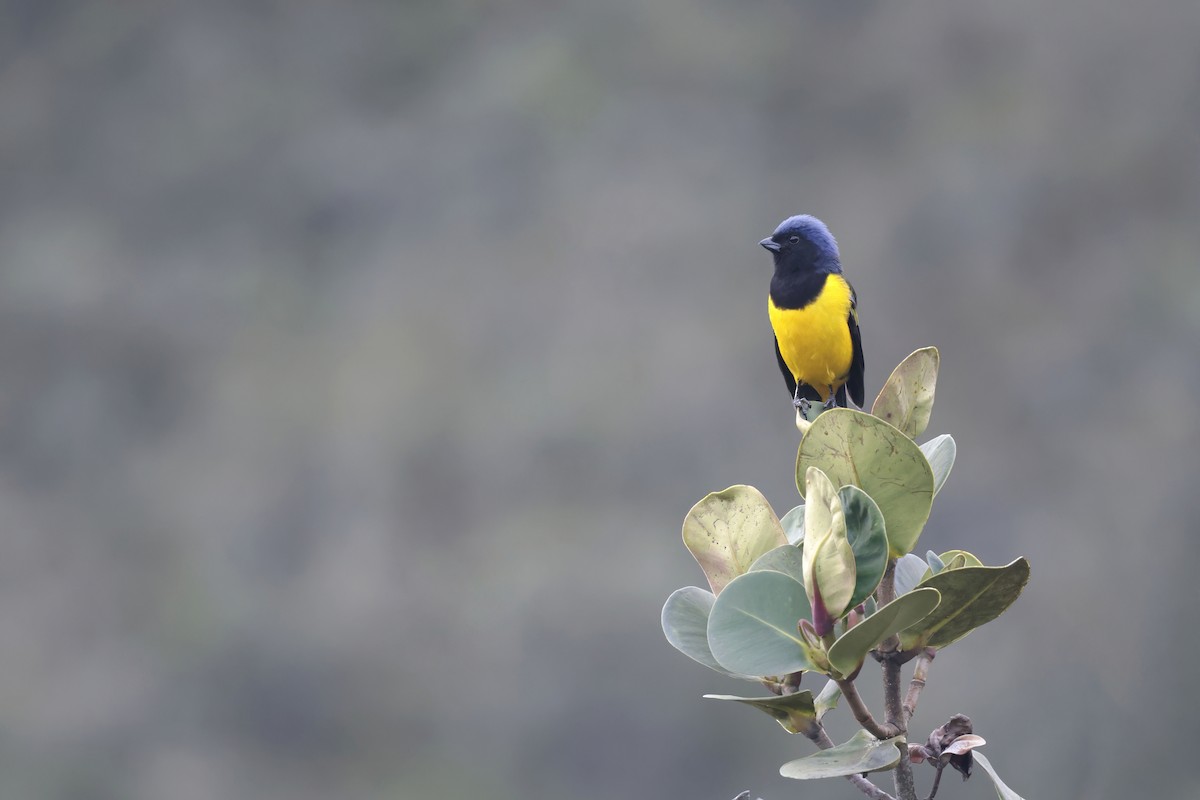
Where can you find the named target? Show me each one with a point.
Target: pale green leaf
(786, 559)
(971, 596)
(862, 753)
(827, 700)
(793, 525)
(857, 449)
(752, 628)
(1002, 790)
(828, 557)
(795, 712)
(940, 452)
(685, 623)
(849, 650)
(960, 557)
(728, 530)
(958, 561)
(910, 570)
(906, 399)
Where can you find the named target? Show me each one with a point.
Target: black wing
(854, 380)
(783, 367)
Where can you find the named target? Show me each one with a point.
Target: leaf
(727, 531)
(685, 624)
(793, 525)
(827, 700)
(952, 559)
(968, 559)
(752, 628)
(956, 562)
(906, 399)
(862, 753)
(868, 539)
(1003, 791)
(852, 647)
(828, 557)
(795, 712)
(964, 744)
(910, 570)
(971, 596)
(940, 452)
(861, 450)
(785, 559)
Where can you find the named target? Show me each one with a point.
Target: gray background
(359, 361)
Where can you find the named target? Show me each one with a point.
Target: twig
(816, 733)
(863, 714)
(920, 673)
(902, 776)
(885, 594)
(936, 780)
(906, 789)
(869, 789)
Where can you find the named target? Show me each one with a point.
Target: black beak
(770, 244)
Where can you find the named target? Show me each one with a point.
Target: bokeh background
(360, 360)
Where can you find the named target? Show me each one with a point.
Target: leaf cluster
(807, 593)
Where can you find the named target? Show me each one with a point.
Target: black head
(803, 244)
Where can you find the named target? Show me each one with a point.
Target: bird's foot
(831, 402)
(803, 404)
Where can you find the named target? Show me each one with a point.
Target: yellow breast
(815, 340)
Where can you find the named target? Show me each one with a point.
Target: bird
(814, 315)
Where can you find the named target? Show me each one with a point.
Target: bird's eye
(794, 239)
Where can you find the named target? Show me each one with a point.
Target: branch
(906, 789)
(816, 733)
(936, 780)
(863, 714)
(885, 594)
(920, 673)
(869, 789)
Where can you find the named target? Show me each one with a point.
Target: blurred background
(359, 362)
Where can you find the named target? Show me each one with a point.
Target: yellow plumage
(815, 340)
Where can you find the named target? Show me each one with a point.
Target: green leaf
(906, 399)
(863, 753)
(685, 623)
(868, 539)
(827, 700)
(940, 452)
(910, 571)
(728, 530)
(1003, 791)
(793, 525)
(956, 562)
(852, 647)
(861, 450)
(752, 628)
(795, 712)
(828, 558)
(968, 559)
(786, 559)
(934, 561)
(971, 596)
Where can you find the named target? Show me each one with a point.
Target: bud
(822, 621)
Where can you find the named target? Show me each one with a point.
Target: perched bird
(814, 313)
